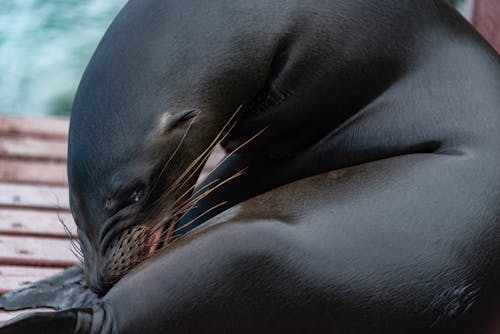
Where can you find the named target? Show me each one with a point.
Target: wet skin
(369, 204)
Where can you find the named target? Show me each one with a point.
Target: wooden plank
(32, 251)
(49, 128)
(7, 315)
(35, 223)
(44, 173)
(13, 277)
(33, 149)
(34, 197)
(486, 18)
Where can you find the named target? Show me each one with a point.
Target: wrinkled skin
(370, 203)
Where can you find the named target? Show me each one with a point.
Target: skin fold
(361, 194)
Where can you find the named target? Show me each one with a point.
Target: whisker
(200, 160)
(193, 201)
(235, 150)
(190, 189)
(195, 165)
(74, 244)
(186, 205)
(189, 223)
(190, 203)
(192, 169)
(174, 153)
(188, 173)
(163, 220)
(170, 232)
(216, 138)
(212, 145)
(222, 161)
(174, 240)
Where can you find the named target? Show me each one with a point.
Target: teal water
(44, 48)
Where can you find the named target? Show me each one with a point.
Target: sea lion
(362, 194)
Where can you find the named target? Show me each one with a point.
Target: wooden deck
(33, 196)
(33, 200)
(486, 18)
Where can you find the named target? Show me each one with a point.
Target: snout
(123, 253)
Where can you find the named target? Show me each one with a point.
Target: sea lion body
(369, 203)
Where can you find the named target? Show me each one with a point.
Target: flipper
(62, 291)
(62, 322)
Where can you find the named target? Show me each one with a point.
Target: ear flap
(170, 121)
(62, 322)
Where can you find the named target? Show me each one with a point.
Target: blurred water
(44, 47)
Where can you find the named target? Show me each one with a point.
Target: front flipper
(63, 322)
(64, 290)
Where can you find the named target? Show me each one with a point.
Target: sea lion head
(145, 117)
(136, 148)
(129, 180)
(152, 102)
